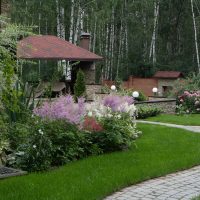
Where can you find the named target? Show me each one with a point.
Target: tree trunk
(71, 32)
(77, 25)
(195, 36)
(153, 41)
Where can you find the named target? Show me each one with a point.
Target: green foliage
(4, 144)
(12, 92)
(118, 134)
(17, 100)
(142, 97)
(130, 52)
(118, 83)
(18, 134)
(40, 144)
(129, 92)
(79, 87)
(36, 153)
(191, 83)
(160, 151)
(187, 120)
(144, 112)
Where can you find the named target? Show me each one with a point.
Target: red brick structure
(144, 85)
(163, 80)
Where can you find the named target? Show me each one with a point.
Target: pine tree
(79, 87)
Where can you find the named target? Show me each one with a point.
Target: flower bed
(62, 131)
(188, 102)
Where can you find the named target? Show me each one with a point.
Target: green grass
(193, 120)
(160, 150)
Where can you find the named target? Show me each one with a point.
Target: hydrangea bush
(188, 102)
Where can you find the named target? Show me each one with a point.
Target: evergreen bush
(79, 87)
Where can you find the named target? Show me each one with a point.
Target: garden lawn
(192, 120)
(160, 150)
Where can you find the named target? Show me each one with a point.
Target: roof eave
(62, 58)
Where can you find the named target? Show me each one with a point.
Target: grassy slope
(193, 120)
(159, 151)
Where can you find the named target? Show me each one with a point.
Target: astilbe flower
(116, 102)
(91, 124)
(112, 104)
(63, 107)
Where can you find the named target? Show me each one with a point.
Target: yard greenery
(160, 151)
(186, 119)
(61, 131)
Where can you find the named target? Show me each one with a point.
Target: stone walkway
(189, 128)
(183, 185)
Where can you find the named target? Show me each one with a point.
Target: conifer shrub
(79, 87)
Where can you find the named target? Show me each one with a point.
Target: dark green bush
(147, 111)
(36, 153)
(18, 134)
(50, 143)
(79, 87)
(66, 141)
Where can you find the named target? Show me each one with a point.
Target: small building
(163, 80)
(48, 47)
(166, 80)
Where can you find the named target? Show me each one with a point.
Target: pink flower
(63, 107)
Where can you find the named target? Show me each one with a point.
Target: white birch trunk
(58, 18)
(77, 25)
(94, 35)
(71, 32)
(81, 20)
(112, 43)
(62, 22)
(119, 50)
(106, 51)
(153, 41)
(195, 36)
(39, 16)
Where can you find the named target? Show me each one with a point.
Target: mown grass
(192, 120)
(160, 150)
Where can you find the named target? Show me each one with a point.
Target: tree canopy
(136, 37)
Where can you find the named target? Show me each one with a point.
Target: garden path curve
(183, 185)
(189, 128)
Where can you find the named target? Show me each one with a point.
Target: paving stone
(183, 185)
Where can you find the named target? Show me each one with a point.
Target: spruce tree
(79, 87)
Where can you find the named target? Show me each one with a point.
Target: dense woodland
(136, 37)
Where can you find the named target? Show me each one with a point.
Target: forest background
(135, 37)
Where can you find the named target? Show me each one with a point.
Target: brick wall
(140, 84)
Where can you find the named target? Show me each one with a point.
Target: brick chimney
(85, 41)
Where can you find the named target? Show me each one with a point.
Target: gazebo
(48, 47)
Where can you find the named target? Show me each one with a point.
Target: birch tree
(71, 32)
(152, 53)
(195, 36)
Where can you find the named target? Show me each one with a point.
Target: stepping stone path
(184, 185)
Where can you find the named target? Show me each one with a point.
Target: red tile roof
(168, 74)
(52, 47)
